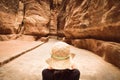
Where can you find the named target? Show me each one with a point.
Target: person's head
(60, 56)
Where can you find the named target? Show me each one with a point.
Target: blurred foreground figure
(61, 66)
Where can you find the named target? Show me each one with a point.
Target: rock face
(110, 51)
(37, 15)
(8, 12)
(90, 19)
(26, 17)
(75, 18)
(85, 20)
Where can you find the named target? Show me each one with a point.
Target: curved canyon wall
(90, 24)
(37, 16)
(109, 51)
(26, 17)
(76, 18)
(8, 18)
(91, 19)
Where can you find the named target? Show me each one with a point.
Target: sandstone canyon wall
(91, 19)
(26, 17)
(109, 51)
(90, 24)
(37, 16)
(76, 18)
(8, 18)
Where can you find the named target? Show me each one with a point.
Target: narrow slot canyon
(29, 28)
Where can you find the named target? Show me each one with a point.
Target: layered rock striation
(26, 17)
(91, 19)
(37, 16)
(8, 18)
(109, 51)
(90, 24)
(93, 25)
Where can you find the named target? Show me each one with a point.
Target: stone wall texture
(75, 19)
(37, 15)
(109, 51)
(26, 17)
(8, 12)
(90, 24)
(90, 19)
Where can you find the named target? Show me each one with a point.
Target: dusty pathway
(30, 65)
(14, 48)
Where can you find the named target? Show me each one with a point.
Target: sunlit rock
(36, 20)
(8, 12)
(90, 19)
(110, 51)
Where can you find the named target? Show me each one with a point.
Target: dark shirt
(66, 74)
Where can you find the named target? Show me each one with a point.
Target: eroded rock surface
(28, 17)
(90, 19)
(37, 15)
(110, 51)
(75, 18)
(81, 19)
(8, 12)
